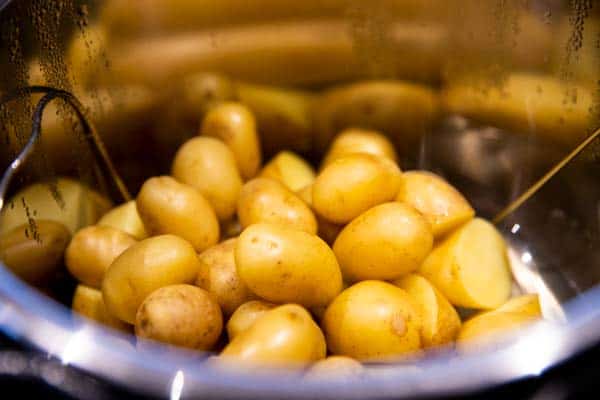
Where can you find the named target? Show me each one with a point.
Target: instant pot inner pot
(514, 86)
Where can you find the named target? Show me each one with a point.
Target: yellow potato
(485, 327)
(289, 169)
(439, 202)
(180, 315)
(372, 321)
(34, 257)
(218, 276)
(76, 205)
(209, 165)
(167, 206)
(526, 103)
(125, 218)
(335, 367)
(285, 336)
(200, 92)
(235, 124)
(470, 267)
(245, 316)
(403, 111)
(351, 185)
(354, 140)
(283, 116)
(88, 302)
(526, 304)
(92, 250)
(441, 322)
(284, 265)
(328, 231)
(386, 242)
(264, 200)
(144, 267)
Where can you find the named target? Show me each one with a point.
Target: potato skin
(144, 267)
(328, 231)
(440, 203)
(483, 328)
(245, 315)
(218, 276)
(353, 184)
(283, 265)
(470, 267)
(386, 242)
(441, 322)
(126, 218)
(92, 250)
(354, 140)
(265, 200)
(372, 321)
(335, 367)
(235, 124)
(169, 207)
(285, 336)
(35, 261)
(88, 302)
(180, 315)
(208, 165)
(289, 169)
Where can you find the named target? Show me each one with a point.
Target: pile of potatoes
(282, 265)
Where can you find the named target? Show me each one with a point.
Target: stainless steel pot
(554, 238)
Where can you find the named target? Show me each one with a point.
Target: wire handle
(92, 138)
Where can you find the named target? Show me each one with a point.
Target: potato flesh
(470, 267)
(441, 322)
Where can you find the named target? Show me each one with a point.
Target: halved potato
(441, 322)
(526, 304)
(470, 267)
(485, 327)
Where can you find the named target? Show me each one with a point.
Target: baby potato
(92, 250)
(88, 302)
(284, 265)
(289, 169)
(144, 267)
(209, 165)
(485, 327)
(285, 336)
(74, 206)
(34, 256)
(234, 124)
(218, 276)
(246, 315)
(441, 322)
(372, 321)
(328, 231)
(440, 203)
(386, 242)
(268, 201)
(403, 111)
(180, 315)
(125, 218)
(169, 207)
(335, 367)
(351, 185)
(283, 116)
(525, 304)
(355, 140)
(470, 267)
